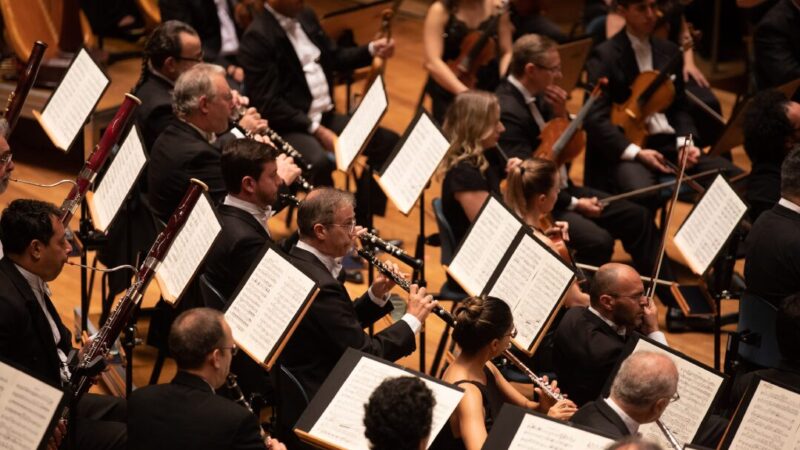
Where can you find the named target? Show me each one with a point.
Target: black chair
(757, 322)
(292, 401)
(211, 297)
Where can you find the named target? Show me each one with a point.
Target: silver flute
(671, 438)
(537, 380)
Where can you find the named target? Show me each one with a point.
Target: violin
(553, 232)
(379, 64)
(478, 49)
(562, 140)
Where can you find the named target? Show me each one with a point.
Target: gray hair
(641, 380)
(319, 207)
(529, 48)
(4, 128)
(790, 173)
(193, 84)
(633, 443)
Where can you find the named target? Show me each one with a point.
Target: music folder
(362, 125)
(71, 103)
(268, 305)
(700, 387)
(767, 418)
(518, 428)
(334, 419)
(501, 257)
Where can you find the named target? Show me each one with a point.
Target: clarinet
(403, 283)
(230, 383)
(26, 79)
(673, 441)
(121, 122)
(81, 380)
(289, 198)
(375, 241)
(537, 380)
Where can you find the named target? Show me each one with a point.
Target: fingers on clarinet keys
(420, 303)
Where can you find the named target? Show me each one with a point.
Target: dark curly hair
(479, 320)
(25, 220)
(399, 413)
(766, 127)
(162, 43)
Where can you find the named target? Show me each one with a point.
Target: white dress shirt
(260, 214)
(632, 425)
(786, 203)
(657, 336)
(227, 30)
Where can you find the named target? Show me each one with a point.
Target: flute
(537, 380)
(671, 438)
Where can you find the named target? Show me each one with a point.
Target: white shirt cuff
(381, 302)
(371, 48)
(680, 141)
(630, 152)
(659, 337)
(573, 203)
(312, 128)
(412, 322)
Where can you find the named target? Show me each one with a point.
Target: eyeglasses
(552, 69)
(349, 226)
(5, 159)
(675, 397)
(197, 59)
(234, 349)
(636, 296)
(513, 333)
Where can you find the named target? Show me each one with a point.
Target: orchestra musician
(399, 414)
(327, 226)
(777, 55)
(186, 413)
(484, 329)
(6, 162)
(32, 335)
(448, 23)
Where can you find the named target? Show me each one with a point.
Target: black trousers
(101, 423)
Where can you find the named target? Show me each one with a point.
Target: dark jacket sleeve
(248, 436)
(777, 63)
(337, 58)
(515, 141)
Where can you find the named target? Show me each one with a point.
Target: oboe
(280, 143)
(673, 441)
(403, 283)
(375, 241)
(289, 198)
(233, 385)
(537, 380)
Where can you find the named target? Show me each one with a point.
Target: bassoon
(26, 79)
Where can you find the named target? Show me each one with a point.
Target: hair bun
(470, 310)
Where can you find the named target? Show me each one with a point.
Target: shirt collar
(788, 204)
(334, 265)
(529, 98)
(208, 136)
(157, 74)
(260, 214)
(35, 281)
(617, 329)
(638, 43)
(632, 425)
(283, 21)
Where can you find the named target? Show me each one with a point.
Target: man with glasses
(334, 322)
(6, 163)
(588, 341)
(186, 413)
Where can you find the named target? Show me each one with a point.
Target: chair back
(446, 236)
(211, 297)
(758, 316)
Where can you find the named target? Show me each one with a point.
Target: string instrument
(666, 12)
(26, 79)
(116, 129)
(379, 64)
(561, 140)
(560, 246)
(652, 92)
(478, 49)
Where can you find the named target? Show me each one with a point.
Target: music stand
(573, 57)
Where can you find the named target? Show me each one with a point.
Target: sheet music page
(484, 247)
(118, 180)
(772, 420)
(27, 406)
(531, 283)
(697, 388)
(189, 248)
(707, 228)
(537, 433)
(74, 99)
(361, 124)
(265, 306)
(414, 164)
(342, 422)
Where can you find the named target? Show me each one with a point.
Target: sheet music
(414, 164)
(697, 388)
(361, 124)
(342, 422)
(538, 433)
(772, 420)
(189, 249)
(27, 406)
(118, 180)
(484, 247)
(709, 225)
(532, 283)
(73, 100)
(265, 306)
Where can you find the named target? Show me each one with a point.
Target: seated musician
(327, 226)
(6, 163)
(399, 414)
(448, 24)
(588, 341)
(484, 328)
(613, 162)
(32, 335)
(645, 385)
(186, 413)
(289, 64)
(771, 128)
(777, 55)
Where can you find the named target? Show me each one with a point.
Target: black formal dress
(202, 16)
(776, 43)
(772, 262)
(598, 415)
(465, 177)
(187, 414)
(616, 60)
(179, 154)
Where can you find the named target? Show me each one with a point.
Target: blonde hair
(531, 177)
(465, 123)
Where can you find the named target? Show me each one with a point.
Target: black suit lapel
(245, 217)
(612, 417)
(270, 25)
(786, 212)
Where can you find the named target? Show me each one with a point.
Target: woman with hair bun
(484, 328)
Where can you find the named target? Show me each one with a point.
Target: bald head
(645, 385)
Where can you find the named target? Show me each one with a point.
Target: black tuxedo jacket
(274, 78)
(584, 354)
(202, 16)
(616, 60)
(772, 262)
(187, 414)
(155, 113)
(601, 417)
(777, 46)
(25, 335)
(181, 153)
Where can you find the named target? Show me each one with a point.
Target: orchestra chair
(210, 296)
(292, 394)
(757, 322)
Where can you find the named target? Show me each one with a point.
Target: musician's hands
(252, 122)
(420, 304)
(239, 100)
(326, 137)
(653, 159)
(557, 98)
(263, 138)
(559, 228)
(235, 72)
(692, 157)
(691, 71)
(273, 444)
(57, 436)
(383, 48)
(383, 284)
(287, 169)
(563, 409)
(512, 162)
(589, 207)
(649, 316)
